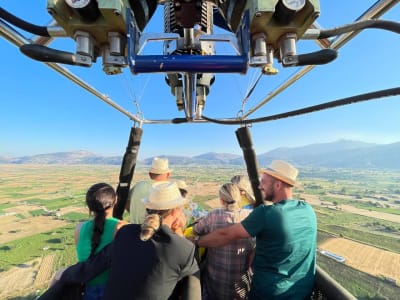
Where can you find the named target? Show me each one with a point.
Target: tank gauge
(77, 3)
(88, 10)
(294, 5)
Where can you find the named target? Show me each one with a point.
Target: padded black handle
(321, 57)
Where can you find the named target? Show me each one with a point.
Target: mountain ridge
(338, 154)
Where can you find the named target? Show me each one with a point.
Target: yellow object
(189, 234)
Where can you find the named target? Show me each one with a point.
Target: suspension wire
(251, 79)
(251, 90)
(132, 95)
(344, 101)
(144, 88)
(238, 87)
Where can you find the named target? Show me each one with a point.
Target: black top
(151, 269)
(138, 270)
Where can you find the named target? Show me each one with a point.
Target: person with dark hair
(227, 273)
(286, 238)
(91, 236)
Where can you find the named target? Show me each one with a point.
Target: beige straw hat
(164, 195)
(283, 171)
(159, 166)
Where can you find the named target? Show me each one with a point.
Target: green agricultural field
(54, 196)
(361, 285)
(26, 249)
(348, 225)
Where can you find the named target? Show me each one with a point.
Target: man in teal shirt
(286, 237)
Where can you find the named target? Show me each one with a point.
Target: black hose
(320, 57)
(35, 29)
(246, 144)
(127, 170)
(310, 109)
(381, 24)
(47, 54)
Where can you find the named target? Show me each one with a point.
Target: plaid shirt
(227, 274)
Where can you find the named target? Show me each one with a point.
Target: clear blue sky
(43, 112)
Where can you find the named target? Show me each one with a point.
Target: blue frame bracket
(140, 63)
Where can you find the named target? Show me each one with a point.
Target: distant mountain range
(339, 154)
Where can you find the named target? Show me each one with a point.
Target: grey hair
(229, 193)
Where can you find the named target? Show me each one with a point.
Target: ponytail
(150, 226)
(99, 198)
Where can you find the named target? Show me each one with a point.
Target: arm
(191, 267)
(128, 204)
(78, 274)
(223, 236)
(202, 225)
(77, 232)
(84, 271)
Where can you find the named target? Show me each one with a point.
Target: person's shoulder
(79, 225)
(244, 212)
(143, 186)
(142, 183)
(84, 225)
(129, 228)
(303, 203)
(183, 243)
(268, 209)
(218, 211)
(175, 237)
(120, 224)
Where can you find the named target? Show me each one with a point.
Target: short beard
(269, 194)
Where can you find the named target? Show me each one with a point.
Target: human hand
(179, 223)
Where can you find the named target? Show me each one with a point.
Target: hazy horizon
(240, 153)
(43, 112)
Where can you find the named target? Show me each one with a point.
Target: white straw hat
(164, 195)
(159, 166)
(283, 171)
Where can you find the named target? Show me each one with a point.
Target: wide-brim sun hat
(164, 196)
(283, 171)
(159, 166)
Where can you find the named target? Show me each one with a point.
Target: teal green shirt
(83, 248)
(286, 237)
